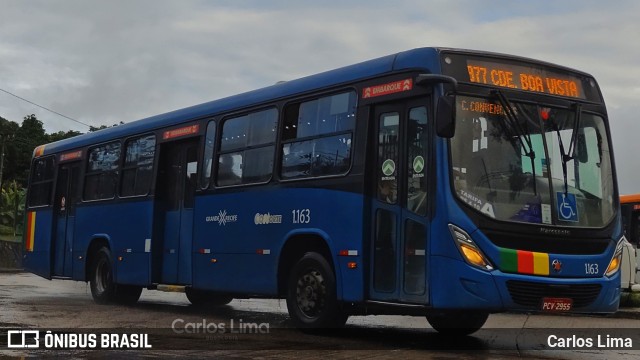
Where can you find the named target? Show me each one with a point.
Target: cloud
(106, 62)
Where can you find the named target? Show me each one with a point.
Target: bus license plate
(557, 304)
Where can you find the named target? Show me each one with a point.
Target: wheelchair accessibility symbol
(567, 207)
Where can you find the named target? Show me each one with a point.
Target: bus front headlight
(616, 260)
(469, 250)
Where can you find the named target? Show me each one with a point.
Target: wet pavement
(259, 328)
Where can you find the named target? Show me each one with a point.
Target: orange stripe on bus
(631, 198)
(39, 151)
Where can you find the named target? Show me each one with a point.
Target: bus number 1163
(301, 216)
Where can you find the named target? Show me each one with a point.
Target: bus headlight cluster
(469, 250)
(614, 264)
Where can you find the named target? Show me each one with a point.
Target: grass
(630, 299)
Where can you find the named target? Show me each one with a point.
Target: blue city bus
(435, 182)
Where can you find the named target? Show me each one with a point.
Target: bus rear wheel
(458, 323)
(201, 298)
(311, 294)
(103, 289)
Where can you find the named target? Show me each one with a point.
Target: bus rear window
(41, 184)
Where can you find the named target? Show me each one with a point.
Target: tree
(61, 135)
(18, 158)
(8, 131)
(12, 208)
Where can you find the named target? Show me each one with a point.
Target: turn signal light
(472, 255)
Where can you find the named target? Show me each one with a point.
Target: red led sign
(183, 131)
(71, 156)
(387, 89)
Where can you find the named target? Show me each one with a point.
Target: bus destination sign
(527, 78)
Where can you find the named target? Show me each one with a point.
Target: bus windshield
(521, 162)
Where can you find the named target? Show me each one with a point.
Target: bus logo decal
(222, 218)
(265, 219)
(557, 265)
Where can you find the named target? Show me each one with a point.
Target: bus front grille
(530, 294)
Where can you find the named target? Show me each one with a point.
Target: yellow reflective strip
(32, 230)
(540, 263)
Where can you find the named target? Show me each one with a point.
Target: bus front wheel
(458, 322)
(311, 294)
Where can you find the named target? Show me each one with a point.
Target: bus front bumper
(467, 287)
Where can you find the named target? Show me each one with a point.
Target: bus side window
(247, 148)
(207, 158)
(137, 172)
(102, 172)
(317, 136)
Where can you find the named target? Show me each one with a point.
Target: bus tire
(201, 298)
(311, 294)
(458, 323)
(103, 289)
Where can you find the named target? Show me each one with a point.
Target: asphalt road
(259, 328)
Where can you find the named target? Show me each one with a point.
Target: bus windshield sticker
(567, 206)
(546, 213)
(418, 167)
(477, 203)
(387, 89)
(388, 169)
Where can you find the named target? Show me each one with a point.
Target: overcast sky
(102, 62)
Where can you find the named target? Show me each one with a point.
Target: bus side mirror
(446, 116)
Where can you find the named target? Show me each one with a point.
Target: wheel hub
(310, 292)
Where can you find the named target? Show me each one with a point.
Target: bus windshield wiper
(515, 130)
(568, 155)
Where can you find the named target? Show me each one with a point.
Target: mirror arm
(427, 79)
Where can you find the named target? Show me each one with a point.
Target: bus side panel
(129, 226)
(236, 273)
(38, 240)
(239, 237)
(461, 286)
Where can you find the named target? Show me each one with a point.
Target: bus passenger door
(65, 215)
(399, 203)
(175, 192)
